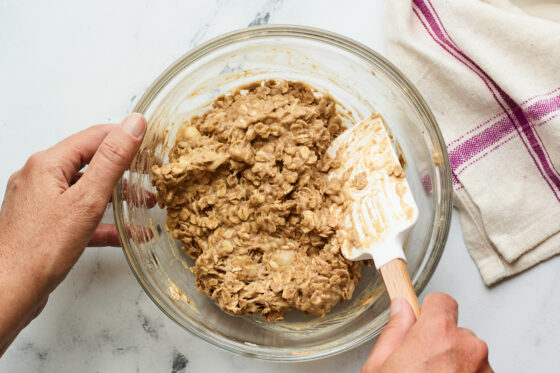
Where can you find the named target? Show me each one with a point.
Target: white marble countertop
(66, 67)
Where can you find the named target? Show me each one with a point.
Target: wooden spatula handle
(398, 284)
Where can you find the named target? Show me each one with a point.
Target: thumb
(111, 159)
(402, 319)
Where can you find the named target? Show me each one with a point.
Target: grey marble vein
(179, 362)
(263, 16)
(260, 19)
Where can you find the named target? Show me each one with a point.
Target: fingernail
(396, 306)
(135, 125)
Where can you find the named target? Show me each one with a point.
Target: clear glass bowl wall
(361, 81)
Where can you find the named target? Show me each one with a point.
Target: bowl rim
(360, 50)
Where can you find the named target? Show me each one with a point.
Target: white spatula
(379, 208)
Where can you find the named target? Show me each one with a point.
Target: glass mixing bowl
(361, 81)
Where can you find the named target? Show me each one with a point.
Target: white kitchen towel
(490, 71)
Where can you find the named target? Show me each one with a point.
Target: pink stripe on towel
(530, 138)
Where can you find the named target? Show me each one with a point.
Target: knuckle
(452, 302)
(113, 152)
(480, 349)
(434, 297)
(35, 161)
(13, 179)
(443, 301)
(442, 298)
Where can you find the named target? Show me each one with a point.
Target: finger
(140, 233)
(74, 152)
(105, 235)
(141, 198)
(109, 162)
(467, 332)
(401, 321)
(138, 196)
(439, 303)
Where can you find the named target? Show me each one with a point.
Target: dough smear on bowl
(247, 192)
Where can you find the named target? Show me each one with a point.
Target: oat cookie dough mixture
(246, 192)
